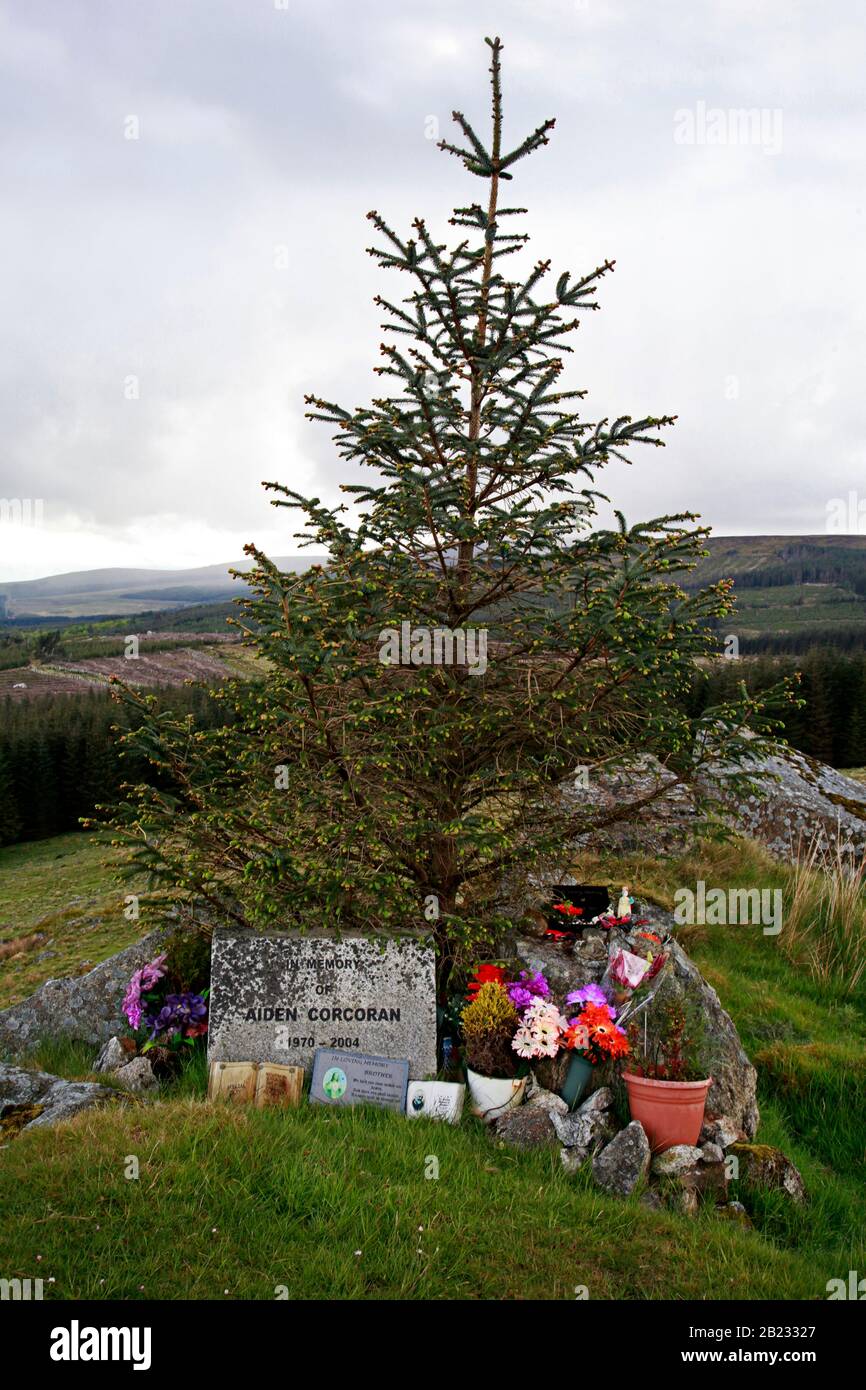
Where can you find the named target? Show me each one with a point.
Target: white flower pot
(492, 1095)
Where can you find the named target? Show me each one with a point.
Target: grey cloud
(263, 129)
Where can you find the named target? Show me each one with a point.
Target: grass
(234, 1203)
(247, 1201)
(61, 912)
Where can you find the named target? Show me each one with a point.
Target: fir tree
(350, 793)
(10, 820)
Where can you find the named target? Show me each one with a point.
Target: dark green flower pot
(577, 1079)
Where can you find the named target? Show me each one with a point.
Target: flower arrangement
(139, 988)
(607, 920)
(526, 989)
(489, 1023)
(568, 909)
(159, 1004)
(596, 1035)
(541, 1029)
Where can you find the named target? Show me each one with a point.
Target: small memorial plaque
(438, 1100)
(277, 1085)
(262, 1082)
(352, 1078)
(232, 1081)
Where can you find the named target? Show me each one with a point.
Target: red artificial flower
(576, 1036)
(568, 909)
(650, 936)
(484, 975)
(656, 966)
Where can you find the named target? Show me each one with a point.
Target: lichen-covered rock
(46, 1099)
(733, 1093)
(588, 1128)
(572, 1160)
(137, 1075)
(114, 1054)
(526, 1127)
(682, 1158)
(623, 1163)
(735, 1211)
(807, 800)
(86, 1008)
(804, 798)
(712, 1153)
(537, 1095)
(720, 1130)
(761, 1165)
(685, 1178)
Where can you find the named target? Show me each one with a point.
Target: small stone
(651, 1199)
(735, 1211)
(602, 1099)
(537, 1095)
(721, 1131)
(712, 1153)
(526, 1127)
(688, 1201)
(112, 1056)
(137, 1075)
(623, 1163)
(585, 1130)
(572, 1160)
(682, 1158)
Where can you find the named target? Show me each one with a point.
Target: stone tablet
(278, 996)
(351, 1078)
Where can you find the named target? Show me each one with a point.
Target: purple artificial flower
(526, 990)
(181, 1013)
(590, 994)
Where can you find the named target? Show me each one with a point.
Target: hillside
(792, 592)
(124, 591)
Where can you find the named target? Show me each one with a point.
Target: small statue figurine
(623, 907)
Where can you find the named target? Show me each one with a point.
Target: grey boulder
(622, 1164)
(44, 1099)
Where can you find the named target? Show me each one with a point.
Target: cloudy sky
(182, 247)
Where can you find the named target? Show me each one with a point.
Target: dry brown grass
(825, 915)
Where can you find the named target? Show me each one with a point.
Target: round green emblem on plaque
(334, 1083)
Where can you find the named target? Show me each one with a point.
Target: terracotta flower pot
(671, 1112)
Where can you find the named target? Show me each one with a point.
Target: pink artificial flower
(143, 980)
(628, 970)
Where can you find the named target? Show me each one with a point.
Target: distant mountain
(86, 593)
